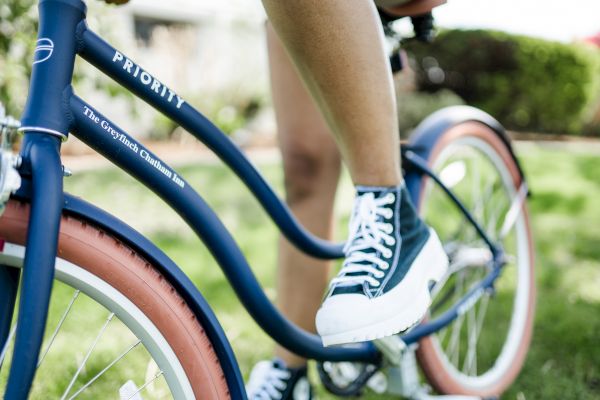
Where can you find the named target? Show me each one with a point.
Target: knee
(309, 170)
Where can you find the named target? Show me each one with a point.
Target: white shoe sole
(355, 318)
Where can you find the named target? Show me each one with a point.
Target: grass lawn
(564, 360)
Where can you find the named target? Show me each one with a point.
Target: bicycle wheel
(116, 327)
(483, 350)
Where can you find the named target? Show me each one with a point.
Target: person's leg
(391, 255)
(311, 165)
(337, 45)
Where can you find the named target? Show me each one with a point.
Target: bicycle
(459, 156)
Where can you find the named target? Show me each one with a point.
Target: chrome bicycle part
(404, 380)
(392, 348)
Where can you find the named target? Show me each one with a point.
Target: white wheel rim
(521, 300)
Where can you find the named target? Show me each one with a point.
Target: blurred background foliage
(529, 84)
(230, 107)
(18, 27)
(415, 106)
(18, 30)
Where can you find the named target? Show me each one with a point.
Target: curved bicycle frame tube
(104, 136)
(101, 134)
(124, 71)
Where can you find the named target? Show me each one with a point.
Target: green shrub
(414, 107)
(527, 83)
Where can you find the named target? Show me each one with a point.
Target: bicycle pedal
(391, 347)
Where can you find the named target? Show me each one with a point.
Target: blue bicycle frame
(53, 110)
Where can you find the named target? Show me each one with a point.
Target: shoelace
(367, 237)
(267, 382)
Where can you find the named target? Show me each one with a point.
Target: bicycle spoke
(476, 322)
(470, 361)
(8, 340)
(486, 194)
(495, 206)
(476, 191)
(116, 360)
(58, 326)
(442, 335)
(474, 330)
(516, 208)
(469, 347)
(87, 356)
(159, 373)
(454, 342)
(483, 303)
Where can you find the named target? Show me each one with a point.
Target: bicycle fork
(41, 159)
(45, 123)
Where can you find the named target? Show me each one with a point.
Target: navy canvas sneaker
(272, 380)
(391, 258)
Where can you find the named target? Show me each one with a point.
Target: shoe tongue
(377, 191)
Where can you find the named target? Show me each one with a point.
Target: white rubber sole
(355, 318)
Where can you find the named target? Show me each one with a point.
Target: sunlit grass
(564, 361)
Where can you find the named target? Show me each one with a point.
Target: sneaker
(272, 380)
(391, 257)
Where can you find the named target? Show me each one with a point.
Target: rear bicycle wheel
(116, 327)
(483, 350)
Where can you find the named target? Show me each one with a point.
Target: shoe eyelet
(390, 242)
(391, 197)
(385, 266)
(380, 275)
(387, 254)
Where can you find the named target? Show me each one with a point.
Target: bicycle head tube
(46, 110)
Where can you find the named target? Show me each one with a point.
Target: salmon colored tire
(105, 257)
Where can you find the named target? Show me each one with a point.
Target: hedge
(529, 84)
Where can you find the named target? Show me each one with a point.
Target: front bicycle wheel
(116, 326)
(483, 350)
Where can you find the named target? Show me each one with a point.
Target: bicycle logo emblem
(43, 50)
